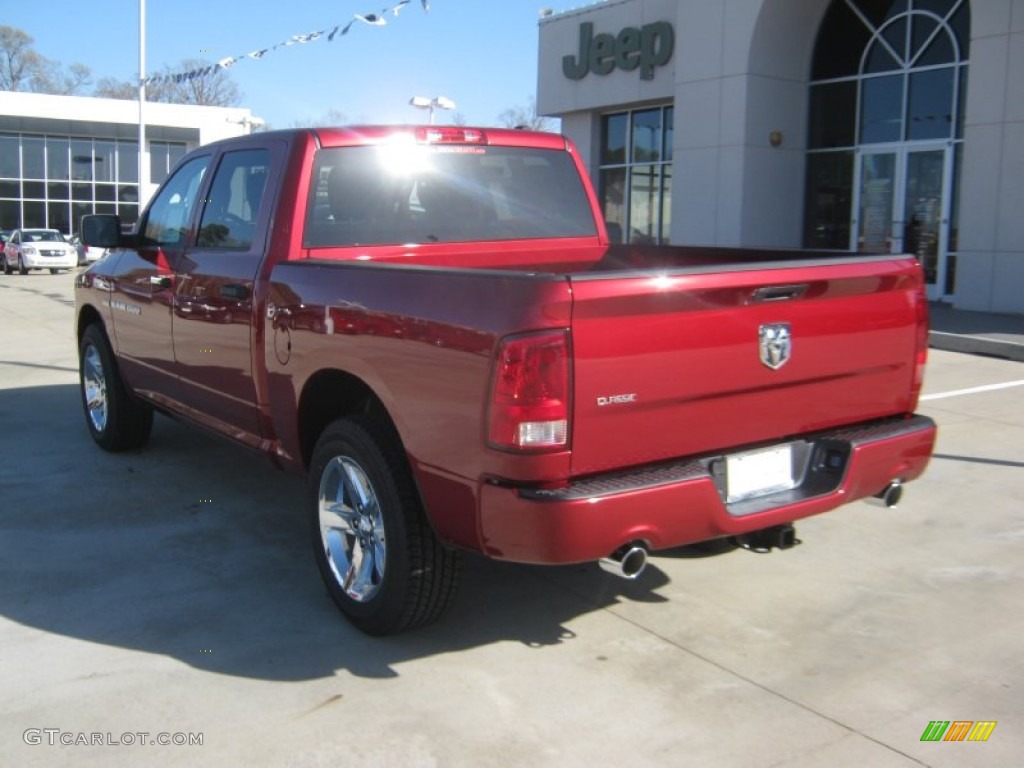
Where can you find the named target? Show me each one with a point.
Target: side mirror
(101, 230)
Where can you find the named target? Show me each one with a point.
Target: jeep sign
(648, 47)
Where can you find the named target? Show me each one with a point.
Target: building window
(52, 181)
(886, 113)
(635, 175)
(163, 156)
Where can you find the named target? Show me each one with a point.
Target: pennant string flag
(370, 19)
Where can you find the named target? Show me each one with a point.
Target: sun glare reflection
(404, 156)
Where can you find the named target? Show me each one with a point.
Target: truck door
(213, 323)
(143, 283)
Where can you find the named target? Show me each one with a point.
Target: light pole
(438, 102)
(143, 163)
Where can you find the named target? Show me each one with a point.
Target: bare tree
(111, 88)
(19, 62)
(52, 78)
(22, 68)
(331, 117)
(211, 87)
(526, 118)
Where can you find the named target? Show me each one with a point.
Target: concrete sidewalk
(978, 333)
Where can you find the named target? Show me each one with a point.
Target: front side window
(635, 175)
(168, 219)
(407, 193)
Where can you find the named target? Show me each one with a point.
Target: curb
(976, 345)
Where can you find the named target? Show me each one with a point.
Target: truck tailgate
(670, 363)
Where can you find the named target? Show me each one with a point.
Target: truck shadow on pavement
(199, 551)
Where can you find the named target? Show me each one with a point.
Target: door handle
(779, 292)
(160, 281)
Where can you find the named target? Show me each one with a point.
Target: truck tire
(116, 420)
(378, 556)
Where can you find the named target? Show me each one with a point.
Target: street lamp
(249, 122)
(438, 102)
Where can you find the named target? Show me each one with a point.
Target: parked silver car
(38, 249)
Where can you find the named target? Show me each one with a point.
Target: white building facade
(62, 157)
(849, 125)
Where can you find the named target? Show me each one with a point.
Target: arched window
(888, 77)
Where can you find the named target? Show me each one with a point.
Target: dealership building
(850, 125)
(62, 157)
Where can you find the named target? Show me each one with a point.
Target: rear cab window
(403, 193)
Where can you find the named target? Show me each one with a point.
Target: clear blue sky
(482, 54)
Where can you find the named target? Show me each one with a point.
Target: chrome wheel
(94, 386)
(379, 557)
(116, 420)
(352, 529)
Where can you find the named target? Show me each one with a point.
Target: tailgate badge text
(616, 399)
(776, 344)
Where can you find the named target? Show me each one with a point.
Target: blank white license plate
(759, 473)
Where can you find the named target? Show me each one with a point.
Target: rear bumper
(679, 503)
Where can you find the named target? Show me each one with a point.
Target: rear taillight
(530, 393)
(921, 343)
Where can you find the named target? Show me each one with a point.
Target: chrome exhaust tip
(889, 496)
(627, 562)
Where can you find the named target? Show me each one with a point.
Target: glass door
(925, 215)
(902, 206)
(876, 206)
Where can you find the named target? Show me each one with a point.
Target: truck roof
(362, 135)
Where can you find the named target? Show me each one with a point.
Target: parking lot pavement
(171, 591)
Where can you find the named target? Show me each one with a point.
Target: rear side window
(229, 216)
(410, 193)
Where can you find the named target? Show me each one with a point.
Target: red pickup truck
(433, 325)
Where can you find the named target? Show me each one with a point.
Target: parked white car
(38, 249)
(87, 254)
(94, 254)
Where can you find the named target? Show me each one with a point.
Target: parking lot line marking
(974, 390)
